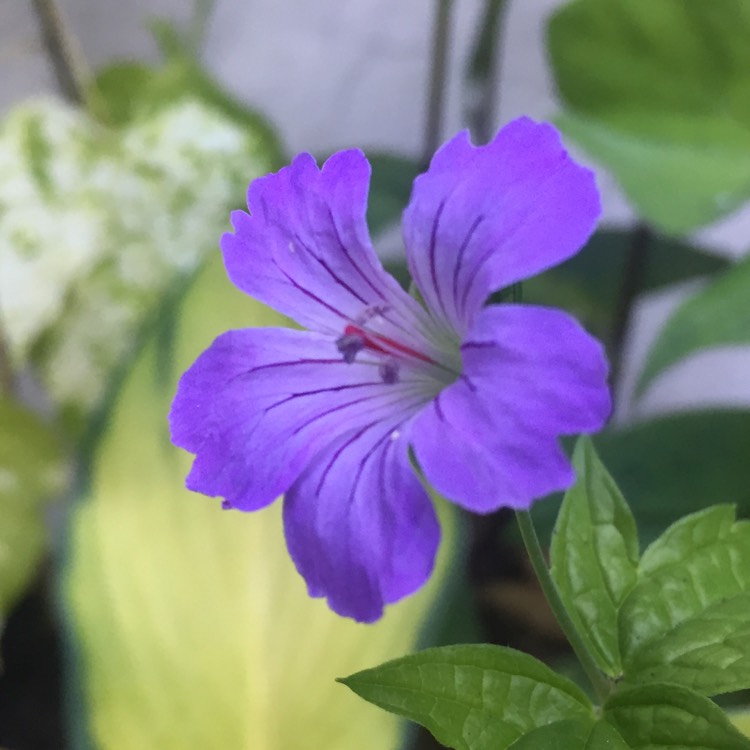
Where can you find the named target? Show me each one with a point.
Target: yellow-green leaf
(193, 627)
(31, 470)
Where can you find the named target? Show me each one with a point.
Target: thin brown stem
(64, 53)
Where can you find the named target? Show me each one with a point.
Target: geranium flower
(328, 415)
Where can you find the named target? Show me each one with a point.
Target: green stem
(483, 75)
(438, 72)
(601, 684)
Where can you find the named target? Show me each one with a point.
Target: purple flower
(327, 416)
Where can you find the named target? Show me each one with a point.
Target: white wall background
(332, 74)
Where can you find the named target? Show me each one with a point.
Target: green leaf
(119, 88)
(718, 315)
(572, 734)
(588, 284)
(741, 719)
(31, 471)
(477, 697)
(669, 717)
(390, 189)
(193, 628)
(594, 555)
(687, 621)
(657, 92)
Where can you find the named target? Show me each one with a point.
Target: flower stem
(66, 58)
(636, 265)
(438, 72)
(483, 74)
(599, 681)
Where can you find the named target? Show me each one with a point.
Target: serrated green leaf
(572, 735)
(669, 717)
(594, 555)
(657, 92)
(687, 621)
(193, 627)
(31, 470)
(476, 697)
(718, 315)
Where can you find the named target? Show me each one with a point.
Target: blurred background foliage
(174, 625)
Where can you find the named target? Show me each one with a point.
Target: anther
(350, 344)
(388, 370)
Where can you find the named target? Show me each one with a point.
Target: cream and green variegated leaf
(32, 470)
(97, 223)
(193, 628)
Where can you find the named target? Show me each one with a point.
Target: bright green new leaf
(669, 717)
(718, 315)
(572, 734)
(687, 621)
(657, 91)
(477, 697)
(31, 471)
(194, 629)
(594, 555)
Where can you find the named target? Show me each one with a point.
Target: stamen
(350, 344)
(382, 344)
(388, 370)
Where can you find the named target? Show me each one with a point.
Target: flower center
(356, 339)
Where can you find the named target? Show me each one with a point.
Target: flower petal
(258, 404)
(530, 375)
(305, 249)
(482, 218)
(360, 527)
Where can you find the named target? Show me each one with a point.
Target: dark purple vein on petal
(289, 363)
(379, 397)
(484, 258)
(368, 455)
(309, 293)
(332, 273)
(460, 256)
(345, 250)
(433, 263)
(318, 391)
